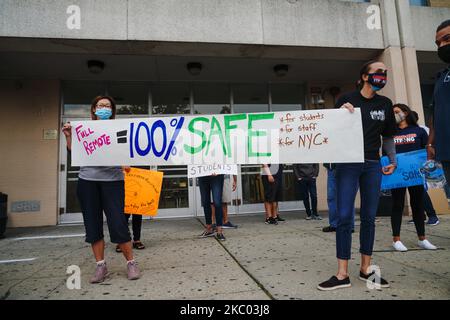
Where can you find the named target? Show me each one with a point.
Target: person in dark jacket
(306, 175)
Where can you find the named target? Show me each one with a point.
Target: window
(287, 97)
(211, 99)
(423, 3)
(171, 98)
(248, 98)
(78, 97)
(130, 98)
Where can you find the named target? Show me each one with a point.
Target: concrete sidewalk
(257, 261)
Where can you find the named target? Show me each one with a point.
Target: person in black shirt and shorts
(378, 121)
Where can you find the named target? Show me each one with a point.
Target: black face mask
(444, 53)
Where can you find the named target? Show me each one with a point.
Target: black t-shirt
(411, 138)
(441, 115)
(377, 120)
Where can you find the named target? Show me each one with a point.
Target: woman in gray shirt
(102, 190)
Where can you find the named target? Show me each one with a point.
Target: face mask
(399, 117)
(377, 81)
(103, 113)
(444, 53)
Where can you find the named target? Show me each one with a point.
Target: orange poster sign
(142, 191)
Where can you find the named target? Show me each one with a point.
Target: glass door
(178, 192)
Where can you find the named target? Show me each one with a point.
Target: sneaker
(267, 221)
(133, 270)
(411, 222)
(334, 283)
(214, 227)
(220, 237)
(229, 225)
(329, 229)
(372, 277)
(308, 217)
(207, 234)
(398, 245)
(273, 221)
(433, 221)
(316, 217)
(101, 272)
(280, 218)
(425, 244)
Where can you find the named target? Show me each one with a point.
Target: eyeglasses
(103, 106)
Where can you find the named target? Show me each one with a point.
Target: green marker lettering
(257, 133)
(194, 150)
(228, 127)
(218, 131)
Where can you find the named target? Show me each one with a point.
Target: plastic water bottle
(434, 174)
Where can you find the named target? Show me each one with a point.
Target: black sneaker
(220, 236)
(329, 229)
(334, 283)
(280, 218)
(372, 277)
(207, 234)
(273, 221)
(267, 221)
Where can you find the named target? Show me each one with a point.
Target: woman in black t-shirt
(409, 137)
(378, 121)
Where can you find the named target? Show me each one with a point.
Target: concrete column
(409, 55)
(396, 86)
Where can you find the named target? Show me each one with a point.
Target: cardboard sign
(203, 170)
(142, 191)
(407, 173)
(312, 136)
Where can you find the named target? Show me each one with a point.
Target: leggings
(136, 222)
(416, 195)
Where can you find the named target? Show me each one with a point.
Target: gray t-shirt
(101, 173)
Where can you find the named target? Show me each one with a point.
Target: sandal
(138, 245)
(118, 248)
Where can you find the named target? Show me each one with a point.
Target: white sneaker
(398, 245)
(425, 244)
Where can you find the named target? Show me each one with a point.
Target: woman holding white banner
(102, 190)
(378, 121)
(410, 137)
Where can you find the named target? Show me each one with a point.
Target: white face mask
(399, 117)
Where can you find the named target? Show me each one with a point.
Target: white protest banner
(203, 170)
(308, 136)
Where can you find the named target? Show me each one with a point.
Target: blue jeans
(214, 185)
(446, 167)
(331, 199)
(428, 205)
(349, 178)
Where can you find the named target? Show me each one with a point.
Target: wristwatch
(430, 145)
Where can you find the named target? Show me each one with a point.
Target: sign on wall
(256, 138)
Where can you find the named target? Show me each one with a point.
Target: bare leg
(365, 263)
(225, 212)
(99, 250)
(127, 250)
(213, 215)
(268, 207)
(275, 209)
(342, 269)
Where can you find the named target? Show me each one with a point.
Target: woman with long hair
(409, 137)
(378, 122)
